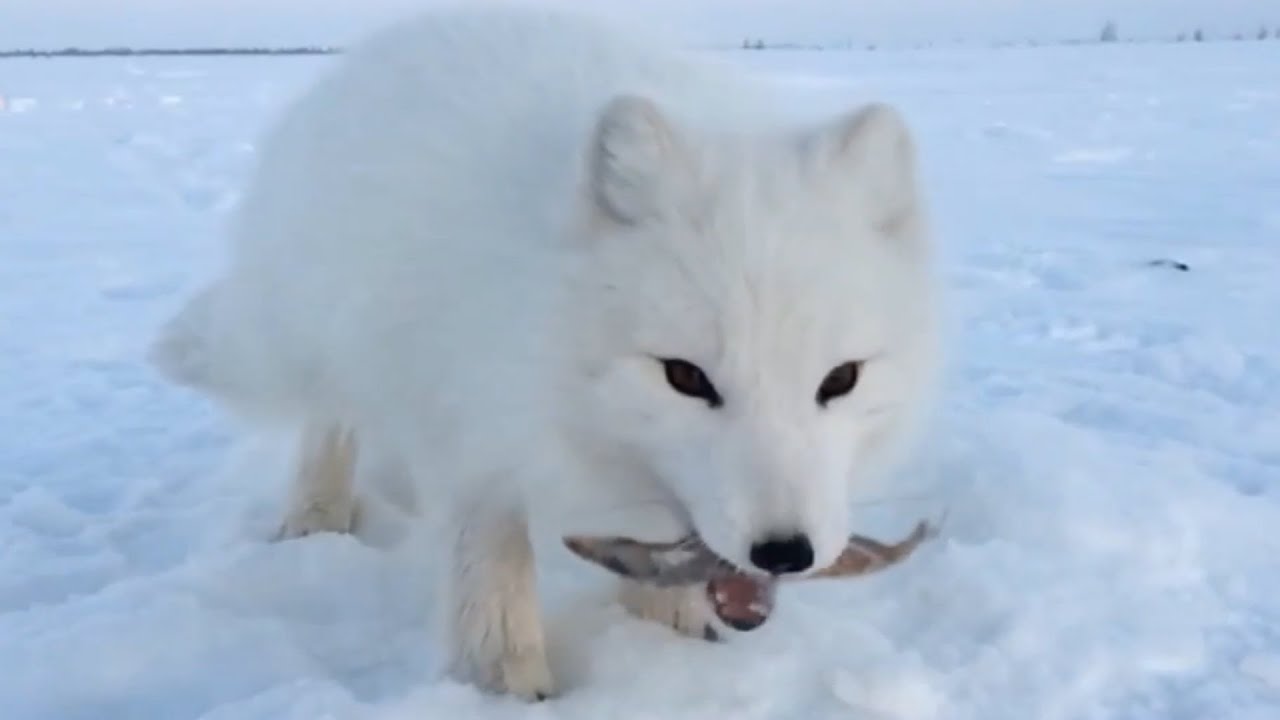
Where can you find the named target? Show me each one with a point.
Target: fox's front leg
(494, 625)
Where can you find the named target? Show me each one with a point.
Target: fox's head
(753, 320)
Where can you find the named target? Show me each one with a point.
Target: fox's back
(410, 207)
(462, 121)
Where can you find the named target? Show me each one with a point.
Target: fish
(741, 599)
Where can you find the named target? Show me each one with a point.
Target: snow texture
(1108, 452)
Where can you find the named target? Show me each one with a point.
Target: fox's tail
(185, 349)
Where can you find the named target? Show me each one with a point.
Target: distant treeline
(1108, 34)
(129, 52)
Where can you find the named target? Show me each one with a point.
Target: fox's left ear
(868, 156)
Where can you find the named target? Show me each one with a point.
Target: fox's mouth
(743, 600)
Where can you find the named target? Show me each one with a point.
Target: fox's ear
(637, 163)
(869, 155)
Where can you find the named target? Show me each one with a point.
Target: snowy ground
(1110, 448)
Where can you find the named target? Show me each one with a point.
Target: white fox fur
(475, 237)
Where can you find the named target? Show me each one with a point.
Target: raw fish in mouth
(742, 599)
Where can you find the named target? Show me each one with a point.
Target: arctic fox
(527, 249)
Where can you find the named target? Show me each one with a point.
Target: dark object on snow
(1175, 264)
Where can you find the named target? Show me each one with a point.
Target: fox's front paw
(323, 500)
(336, 517)
(527, 675)
(497, 661)
(685, 608)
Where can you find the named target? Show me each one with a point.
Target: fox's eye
(840, 381)
(688, 379)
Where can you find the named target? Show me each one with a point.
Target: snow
(1107, 452)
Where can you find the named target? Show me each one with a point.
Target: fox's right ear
(637, 164)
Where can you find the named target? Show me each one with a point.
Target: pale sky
(57, 23)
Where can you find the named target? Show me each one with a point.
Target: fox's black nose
(779, 555)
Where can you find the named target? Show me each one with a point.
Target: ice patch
(1005, 131)
(1094, 156)
(1264, 667)
(18, 105)
(890, 692)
